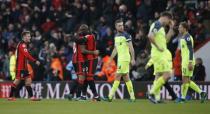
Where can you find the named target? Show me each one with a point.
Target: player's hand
(190, 66)
(146, 67)
(171, 24)
(96, 52)
(133, 62)
(38, 63)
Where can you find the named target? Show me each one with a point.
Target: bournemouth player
(22, 57)
(91, 59)
(188, 62)
(124, 49)
(160, 55)
(79, 60)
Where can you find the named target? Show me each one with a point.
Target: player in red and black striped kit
(91, 61)
(81, 57)
(22, 57)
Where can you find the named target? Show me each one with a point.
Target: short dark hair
(166, 14)
(83, 29)
(118, 21)
(24, 33)
(185, 25)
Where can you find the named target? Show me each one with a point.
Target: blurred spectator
(177, 65)
(108, 71)
(139, 72)
(199, 71)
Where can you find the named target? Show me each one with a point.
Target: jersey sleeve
(25, 52)
(190, 47)
(128, 37)
(154, 28)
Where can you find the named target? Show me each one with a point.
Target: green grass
(23, 106)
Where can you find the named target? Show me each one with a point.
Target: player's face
(27, 38)
(181, 29)
(120, 27)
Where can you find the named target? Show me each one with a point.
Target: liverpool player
(22, 57)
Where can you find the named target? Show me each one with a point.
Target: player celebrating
(160, 55)
(91, 59)
(79, 59)
(124, 49)
(22, 56)
(188, 62)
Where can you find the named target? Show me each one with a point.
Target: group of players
(162, 60)
(85, 58)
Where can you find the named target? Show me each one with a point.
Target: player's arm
(170, 32)
(114, 53)
(131, 50)
(75, 38)
(149, 63)
(151, 37)
(25, 52)
(85, 51)
(190, 48)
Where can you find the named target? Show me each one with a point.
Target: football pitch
(24, 106)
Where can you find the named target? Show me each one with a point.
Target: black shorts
(22, 74)
(79, 68)
(91, 67)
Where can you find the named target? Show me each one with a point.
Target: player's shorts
(162, 62)
(123, 67)
(91, 68)
(22, 74)
(186, 71)
(79, 68)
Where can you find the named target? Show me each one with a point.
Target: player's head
(83, 29)
(119, 25)
(166, 18)
(183, 27)
(26, 36)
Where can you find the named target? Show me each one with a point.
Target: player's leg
(163, 68)
(129, 86)
(92, 64)
(81, 77)
(184, 87)
(114, 86)
(15, 83)
(116, 83)
(195, 87)
(28, 82)
(170, 90)
(157, 94)
(73, 90)
(13, 89)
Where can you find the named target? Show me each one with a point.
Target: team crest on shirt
(25, 50)
(188, 38)
(155, 30)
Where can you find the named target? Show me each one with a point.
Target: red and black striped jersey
(78, 56)
(90, 46)
(22, 56)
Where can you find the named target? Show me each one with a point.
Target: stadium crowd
(52, 21)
